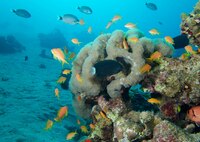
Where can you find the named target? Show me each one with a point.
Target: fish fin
(149, 59)
(60, 18)
(78, 7)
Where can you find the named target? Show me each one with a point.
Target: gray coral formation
(110, 46)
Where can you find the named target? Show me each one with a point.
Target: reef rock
(52, 40)
(8, 44)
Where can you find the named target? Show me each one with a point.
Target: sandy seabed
(27, 99)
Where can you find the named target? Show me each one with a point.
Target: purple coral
(169, 110)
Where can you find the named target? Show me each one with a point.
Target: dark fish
(85, 9)
(26, 58)
(106, 68)
(160, 23)
(22, 13)
(180, 41)
(151, 6)
(69, 19)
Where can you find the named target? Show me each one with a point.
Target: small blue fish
(22, 13)
(151, 6)
(85, 9)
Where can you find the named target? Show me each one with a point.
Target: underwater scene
(100, 71)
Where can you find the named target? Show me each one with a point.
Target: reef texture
(190, 25)
(111, 46)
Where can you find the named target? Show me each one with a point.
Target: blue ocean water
(27, 91)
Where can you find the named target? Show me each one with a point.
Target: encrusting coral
(190, 25)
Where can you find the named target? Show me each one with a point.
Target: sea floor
(27, 99)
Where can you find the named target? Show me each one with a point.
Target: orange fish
(57, 92)
(154, 32)
(156, 55)
(103, 115)
(79, 98)
(71, 56)
(116, 18)
(194, 114)
(84, 129)
(61, 80)
(109, 25)
(185, 56)
(63, 111)
(145, 68)
(89, 30)
(75, 41)
(198, 50)
(79, 78)
(125, 44)
(130, 26)
(71, 135)
(49, 124)
(133, 39)
(189, 49)
(66, 72)
(81, 22)
(59, 55)
(153, 101)
(92, 126)
(169, 40)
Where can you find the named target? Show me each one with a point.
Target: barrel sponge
(111, 47)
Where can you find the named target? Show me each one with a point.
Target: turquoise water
(27, 98)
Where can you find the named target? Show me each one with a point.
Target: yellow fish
(61, 80)
(63, 111)
(154, 32)
(59, 55)
(133, 39)
(145, 68)
(84, 129)
(116, 18)
(89, 30)
(169, 40)
(81, 22)
(156, 55)
(130, 26)
(189, 49)
(71, 135)
(49, 124)
(153, 101)
(92, 126)
(79, 78)
(66, 72)
(75, 41)
(57, 92)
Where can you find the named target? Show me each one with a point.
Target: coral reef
(8, 44)
(111, 47)
(52, 40)
(190, 25)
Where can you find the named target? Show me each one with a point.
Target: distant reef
(8, 44)
(52, 40)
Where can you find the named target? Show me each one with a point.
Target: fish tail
(60, 18)
(13, 10)
(149, 59)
